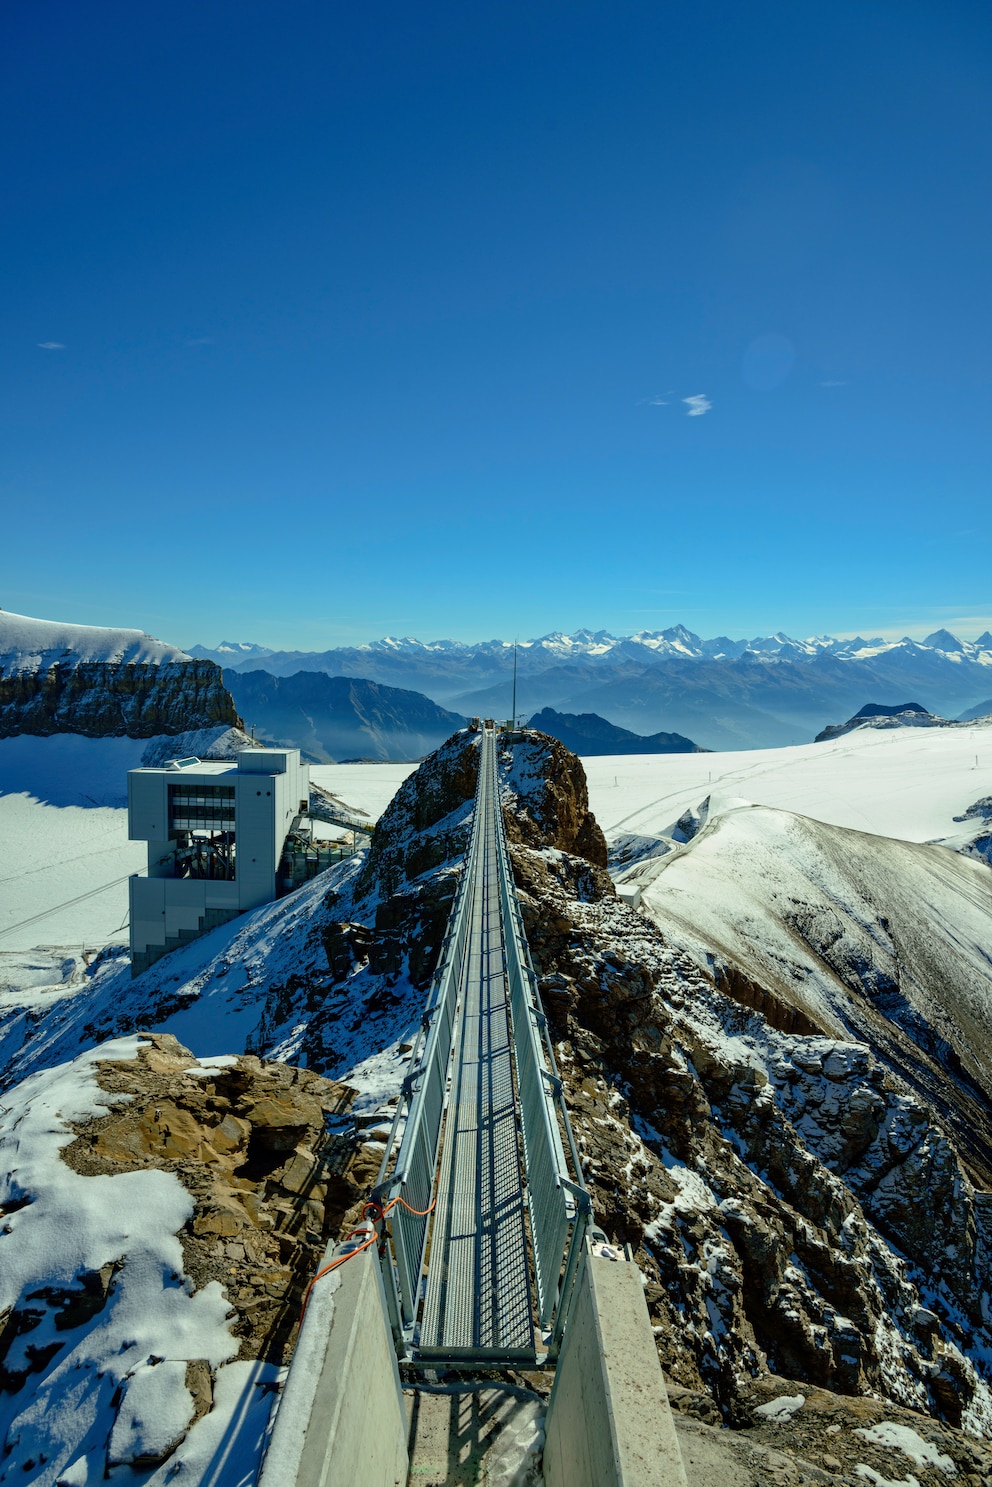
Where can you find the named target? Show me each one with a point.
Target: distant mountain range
(336, 717)
(723, 693)
(589, 734)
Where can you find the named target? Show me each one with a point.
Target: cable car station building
(216, 834)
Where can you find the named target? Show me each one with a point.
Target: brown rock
(249, 1145)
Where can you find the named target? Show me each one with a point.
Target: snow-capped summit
(943, 640)
(409, 644)
(230, 651)
(98, 682)
(30, 645)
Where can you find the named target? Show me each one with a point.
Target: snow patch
(781, 1410)
(902, 1438)
(870, 1475)
(60, 1226)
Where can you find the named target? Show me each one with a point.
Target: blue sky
(326, 322)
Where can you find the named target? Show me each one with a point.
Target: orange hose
(326, 1270)
(332, 1266)
(419, 1213)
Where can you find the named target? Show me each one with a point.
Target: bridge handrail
(422, 1101)
(560, 1208)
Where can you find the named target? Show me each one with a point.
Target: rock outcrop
(545, 798)
(100, 699)
(262, 1183)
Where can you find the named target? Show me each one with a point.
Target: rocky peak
(427, 824)
(545, 797)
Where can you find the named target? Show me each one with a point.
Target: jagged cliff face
(797, 1208)
(101, 699)
(103, 683)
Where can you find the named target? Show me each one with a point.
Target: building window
(200, 808)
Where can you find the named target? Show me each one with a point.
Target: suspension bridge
(480, 1252)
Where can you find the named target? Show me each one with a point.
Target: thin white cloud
(200, 341)
(51, 345)
(698, 404)
(833, 384)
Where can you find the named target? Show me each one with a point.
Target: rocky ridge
(588, 734)
(100, 699)
(103, 683)
(794, 1208)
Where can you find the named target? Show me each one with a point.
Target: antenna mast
(514, 714)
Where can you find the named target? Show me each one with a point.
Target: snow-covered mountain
(230, 652)
(29, 645)
(103, 683)
(677, 640)
(724, 693)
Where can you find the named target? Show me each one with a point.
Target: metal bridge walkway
(478, 1283)
(480, 1197)
(501, 1233)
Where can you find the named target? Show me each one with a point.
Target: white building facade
(215, 834)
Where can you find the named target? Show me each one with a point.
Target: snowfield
(365, 787)
(68, 769)
(65, 856)
(63, 874)
(906, 783)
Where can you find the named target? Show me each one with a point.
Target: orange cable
(417, 1213)
(333, 1266)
